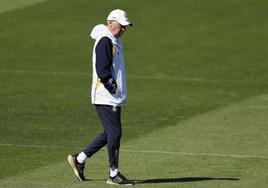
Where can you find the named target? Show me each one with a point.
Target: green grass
(197, 89)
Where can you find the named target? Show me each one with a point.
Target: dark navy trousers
(110, 117)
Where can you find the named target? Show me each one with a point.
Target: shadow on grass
(181, 180)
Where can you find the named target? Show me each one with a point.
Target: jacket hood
(100, 31)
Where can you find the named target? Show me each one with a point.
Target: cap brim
(125, 23)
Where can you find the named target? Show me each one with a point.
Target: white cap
(120, 16)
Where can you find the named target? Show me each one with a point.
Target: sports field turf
(197, 74)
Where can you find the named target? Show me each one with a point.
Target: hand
(111, 85)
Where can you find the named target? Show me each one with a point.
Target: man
(108, 94)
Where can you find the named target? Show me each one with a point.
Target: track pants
(111, 120)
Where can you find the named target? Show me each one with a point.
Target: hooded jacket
(99, 94)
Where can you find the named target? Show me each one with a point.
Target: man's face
(116, 28)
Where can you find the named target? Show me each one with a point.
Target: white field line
(34, 146)
(146, 77)
(8, 182)
(194, 154)
(41, 72)
(144, 151)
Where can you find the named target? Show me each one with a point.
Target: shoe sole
(112, 183)
(71, 162)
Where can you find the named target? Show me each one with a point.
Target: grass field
(197, 74)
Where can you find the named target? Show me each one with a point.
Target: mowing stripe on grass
(143, 151)
(6, 6)
(148, 77)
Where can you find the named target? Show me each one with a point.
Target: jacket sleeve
(104, 59)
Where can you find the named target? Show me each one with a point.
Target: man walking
(108, 94)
